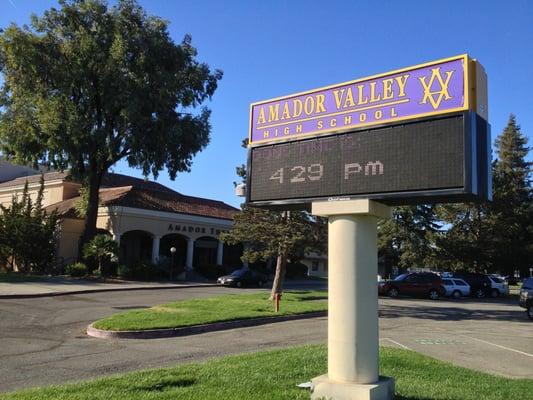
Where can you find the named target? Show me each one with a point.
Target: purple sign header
(429, 89)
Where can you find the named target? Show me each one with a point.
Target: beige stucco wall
(117, 220)
(120, 220)
(70, 190)
(70, 231)
(321, 263)
(54, 192)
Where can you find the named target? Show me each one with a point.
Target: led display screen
(408, 161)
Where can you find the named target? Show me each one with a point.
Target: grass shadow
(167, 385)
(314, 298)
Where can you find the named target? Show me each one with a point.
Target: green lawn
(214, 309)
(275, 374)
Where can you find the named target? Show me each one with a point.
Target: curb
(54, 294)
(197, 329)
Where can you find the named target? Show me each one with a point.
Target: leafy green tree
(81, 204)
(27, 234)
(102, 248)
(271, 234)
(87, 85)
(282, 235)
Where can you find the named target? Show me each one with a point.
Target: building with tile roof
(145, 217)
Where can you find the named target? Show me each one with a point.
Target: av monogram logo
(440, 94)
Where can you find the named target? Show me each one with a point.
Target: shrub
(76, 269)
(145, 271)
(164, 264)
(123, 271)
(103, 248)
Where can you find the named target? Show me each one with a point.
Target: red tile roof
(127, 191)
(119, 180)
(173, 202)
(169, 201)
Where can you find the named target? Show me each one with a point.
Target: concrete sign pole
(353, 336)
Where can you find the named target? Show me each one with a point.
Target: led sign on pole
(417, 134)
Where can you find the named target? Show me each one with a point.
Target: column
(116, 238)
(220, 252)
(353, 335)
(190, 251)
(155, 248)
(353, 305)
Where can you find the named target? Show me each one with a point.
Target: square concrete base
(324, 389)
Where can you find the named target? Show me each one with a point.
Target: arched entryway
(232, 255)
(205, 252)
(135, 247)
(180, 243)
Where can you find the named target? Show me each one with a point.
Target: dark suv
(480, 284)
(526, 297)
(419, 284)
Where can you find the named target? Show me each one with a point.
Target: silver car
(499, 286)
(456, 287)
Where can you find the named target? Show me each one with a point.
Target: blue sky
(273, 48)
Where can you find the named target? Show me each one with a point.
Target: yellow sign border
(466, 93)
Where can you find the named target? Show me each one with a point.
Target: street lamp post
(173, 253)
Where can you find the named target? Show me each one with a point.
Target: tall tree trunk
(89, 230)
(277, 284)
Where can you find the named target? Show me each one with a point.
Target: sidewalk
(58, 286)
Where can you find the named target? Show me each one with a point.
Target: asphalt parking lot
(488, 335)
(43, 340)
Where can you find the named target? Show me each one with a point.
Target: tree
(290, 234)
(495, 236)
(467, 244)
(407, 239)
(512, 206)
(27, 233)
(88, 85)
(281, 234)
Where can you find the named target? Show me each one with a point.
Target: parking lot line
(396, 343)
(501, 347)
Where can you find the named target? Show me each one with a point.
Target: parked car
(512, 280)
(421, 284)
(446, 274)
(480, 284)
(456, 287)
(498, 286)
(243, 277)
(526, 297)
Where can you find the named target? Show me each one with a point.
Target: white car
(499, 286)
(456, 287)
